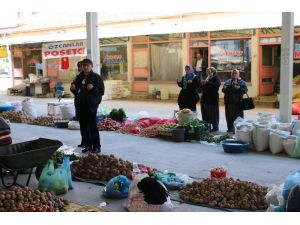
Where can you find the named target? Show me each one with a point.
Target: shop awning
(190, 22)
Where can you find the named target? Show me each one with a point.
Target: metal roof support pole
(286, 67)
(92, 40)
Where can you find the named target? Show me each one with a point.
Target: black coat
(210, 91)
(88, 98)
(188, 96)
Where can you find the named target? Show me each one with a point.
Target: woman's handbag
(247, 103)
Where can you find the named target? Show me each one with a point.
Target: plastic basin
(234, 146)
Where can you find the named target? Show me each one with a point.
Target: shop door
(140, 71)
(268, 69)
(17, 70)
(194, 51)
(52, 66)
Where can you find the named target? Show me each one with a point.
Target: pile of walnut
(226, 193)
(25, 199)
(102, 167)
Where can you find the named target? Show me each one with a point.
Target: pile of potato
(226, 193)
(42, 121)
(17, 198)
(103, 167)
(14, 116)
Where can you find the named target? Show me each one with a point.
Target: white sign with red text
(64, 49)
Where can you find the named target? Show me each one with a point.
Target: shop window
(114, 62)
(198, 35)
(231, 33)
(297, 30)
(271, 30)
(270, 40)
(4, 67)
(30, 59)
(118, 40)
(198, 43)
(166, 61)
(67, 74)
(17, 63)
(296, 62)
(140, 39)
(136, 46)
(166, 37)
(226, 55)
(267, 55)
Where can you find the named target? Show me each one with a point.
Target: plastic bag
(66, 164)
(289, 144)
(260, 137)
(53, 180)
(67, 112)
(272, 197)
(291, 180)
(276, 138)
(293, 202)
(296, 152)
(117, 187)
(29, 108)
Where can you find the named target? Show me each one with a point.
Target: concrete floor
(194, 159)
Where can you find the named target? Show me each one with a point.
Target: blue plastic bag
(291, 180)
(66, 164)
(117, 187)
(173, 183)
(53, 180)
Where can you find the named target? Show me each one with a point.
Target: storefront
(269, 60)
(156, 59)
(224, 50)
(60, 60)
(113, 58)
(26, 59)
(5, 68)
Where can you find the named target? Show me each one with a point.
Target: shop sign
(64, 49)
(114, 59)
(226, 56)
(297, 51)
(3, 51)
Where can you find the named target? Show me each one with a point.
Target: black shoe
(96, 150)
(86, 149)
(80, 146)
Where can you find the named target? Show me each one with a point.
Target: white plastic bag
(67, 111)
(73, 125)
(272, 197)
(289, 144)
(29, 108)
(17, 105)
(243, 132)
(276, 138)
(260, 137)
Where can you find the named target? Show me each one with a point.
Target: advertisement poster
(64, 49)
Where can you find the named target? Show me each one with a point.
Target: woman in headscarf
(188, 96)
(234, 89)
(210, 98)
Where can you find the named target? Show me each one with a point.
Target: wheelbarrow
(25, 155)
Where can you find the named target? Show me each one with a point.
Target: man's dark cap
(87, 61)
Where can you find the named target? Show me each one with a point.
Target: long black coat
(89, 98)
(188, 96)
(210, 91)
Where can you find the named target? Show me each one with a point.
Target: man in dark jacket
(89, 89)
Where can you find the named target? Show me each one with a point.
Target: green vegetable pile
(58, 157)
(216, 139)
(117, 115)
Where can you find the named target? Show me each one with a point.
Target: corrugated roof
(61, 25)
